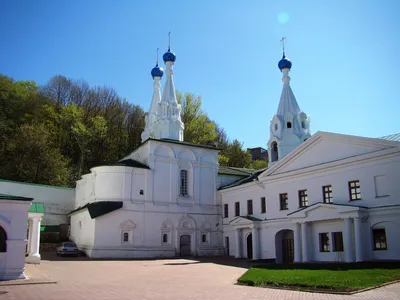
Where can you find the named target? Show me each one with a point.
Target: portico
(247, 237)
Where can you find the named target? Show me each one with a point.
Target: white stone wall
(13, 219)
(58, 201)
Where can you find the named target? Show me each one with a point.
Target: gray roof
(393, 137)
(235, 171)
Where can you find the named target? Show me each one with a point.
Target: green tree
(199, 129)
(258, 164)
(237, 157)
(32, 157)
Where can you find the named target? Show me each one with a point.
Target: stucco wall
(58, 201)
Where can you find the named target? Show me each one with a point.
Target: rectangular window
(381, 186)
(337, 238)
(237, 209)
(354, 190)
(379, 236)
(249, 207)
(184, 183)
(226, 213)
(324, 242)
(327, 193)
(303, 198)
(283, 200)
(263, 205)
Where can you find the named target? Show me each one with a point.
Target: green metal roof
(50, 228)
(38, 184)
(247, 179)
(235, 171)
(182, 143)
(15, 198)
(36, 207)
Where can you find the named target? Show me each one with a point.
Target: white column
(28, 250)
(255, 240)
(34, 256)
(297, 243)
(238, 248)
(348, 244)
(304, 240)
(358, 240)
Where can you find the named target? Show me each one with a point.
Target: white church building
(324, 197)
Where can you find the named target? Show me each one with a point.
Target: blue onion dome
(169, 56)
(284, 63)
(157, 71)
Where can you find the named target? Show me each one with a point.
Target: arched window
(183, 186)
(204, 238)
(165, 238)
(126, 237)
(274, 152)
(303, 125)
(289, 124)
(3, 240)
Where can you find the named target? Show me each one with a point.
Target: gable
(325, 148)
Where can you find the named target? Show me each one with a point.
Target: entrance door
(227, 245)
(185, 245)
(249, 246)
(287, 250)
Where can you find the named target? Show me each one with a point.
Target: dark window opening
(237, 209)
(324, 242)
(303, 125)
(289, 124)
(263, 205)
(276, 127)
(204, 238)
(249, 207)
(303, 198)
(283, 199)
(327, 193)
(226, 212)
(141, 192)
(274, 152)
(354, 190)
(126, 237)
(379, 236)
(3, 240)
(184, 183)
(337, 238)
(165, 238)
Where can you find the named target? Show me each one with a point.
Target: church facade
(324, 197)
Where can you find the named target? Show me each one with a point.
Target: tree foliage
(54, 133)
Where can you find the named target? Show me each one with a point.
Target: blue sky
(344, 56)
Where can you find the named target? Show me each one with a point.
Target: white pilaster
(358, 240)
(348, 244)
(304, 241)
(256, 243)
(297, 243)
(238, 243)
(34, 256)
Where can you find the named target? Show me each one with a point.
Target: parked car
(67, 248)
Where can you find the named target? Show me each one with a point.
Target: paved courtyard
(156, 279)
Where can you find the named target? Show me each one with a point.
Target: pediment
(324, 211)
(324, 148)
(244, 221)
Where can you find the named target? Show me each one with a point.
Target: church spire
(290, 126)
(164, 118)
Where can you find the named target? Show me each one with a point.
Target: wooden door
(185, 245)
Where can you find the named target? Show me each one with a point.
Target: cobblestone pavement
(157, 279)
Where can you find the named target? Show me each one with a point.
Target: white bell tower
(290, 126)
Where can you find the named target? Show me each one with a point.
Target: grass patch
(332, 277)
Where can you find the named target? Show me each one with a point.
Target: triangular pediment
(324, 211)
(245, 220)
(324, 148)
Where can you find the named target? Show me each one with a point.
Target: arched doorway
(284, 246)
(3, 240)
(249, 241)
(185, 245)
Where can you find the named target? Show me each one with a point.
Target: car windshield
(70, 244)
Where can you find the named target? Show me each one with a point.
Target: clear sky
(344, 55)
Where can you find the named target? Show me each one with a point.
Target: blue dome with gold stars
(157, 71)
(284, 63)
(169, 56)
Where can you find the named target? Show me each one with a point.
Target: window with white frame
(183, 183)
(127, 227)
